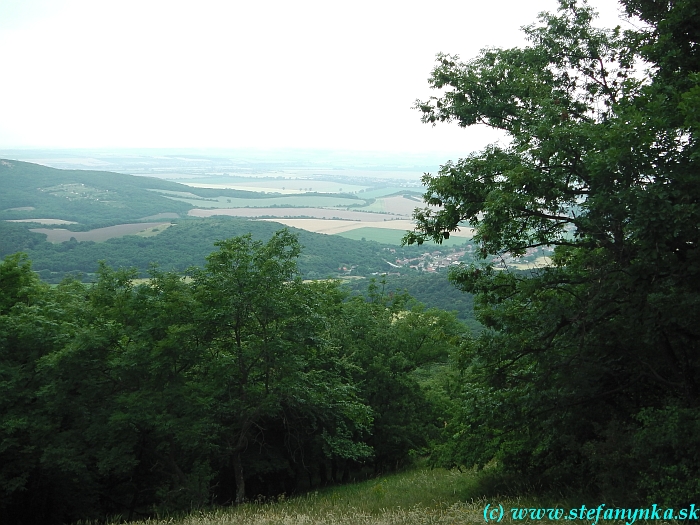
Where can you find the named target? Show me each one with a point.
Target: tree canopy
(240, 380)
(589, 365)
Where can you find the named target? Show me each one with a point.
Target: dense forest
(239, 380)
(429, 289)
(218, 380)
(188, 242)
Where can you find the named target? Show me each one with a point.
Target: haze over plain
(269, 74)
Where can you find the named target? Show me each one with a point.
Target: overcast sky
(231, 73)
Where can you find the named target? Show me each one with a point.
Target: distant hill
(188, 241)
(90, 198)
(94, 199)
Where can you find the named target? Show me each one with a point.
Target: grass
(421, 496)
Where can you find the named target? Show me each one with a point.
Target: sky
(271, 74)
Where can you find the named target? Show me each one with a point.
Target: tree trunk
(334, 471)
(240, 480)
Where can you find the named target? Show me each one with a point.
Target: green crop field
(390, 190)
(270, 184)
(266, 202)
(387, 236)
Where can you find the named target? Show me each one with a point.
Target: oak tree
(589, 365)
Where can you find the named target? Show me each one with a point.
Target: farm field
(318, 213)
(333, 226)
(539, 262)
(43, 221)
(366, 172)
(397, 204)
(56, 235)
(392, 236)
(266, 202)
(371, 230)
(277, 185)
(389, 190)
(159, 216)
(322, 207)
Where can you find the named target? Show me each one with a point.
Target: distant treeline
(187, 243)
(432, 290)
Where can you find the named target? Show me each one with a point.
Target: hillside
(89, 198)
(81, 211)
(187, 242)
(93, 199)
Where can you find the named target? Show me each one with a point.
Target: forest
(238, 381)
(187, 242)
(233, 377)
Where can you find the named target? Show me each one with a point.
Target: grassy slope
(416, 497)
(87, 197)
(188, 242)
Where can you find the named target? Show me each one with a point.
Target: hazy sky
(231, 73)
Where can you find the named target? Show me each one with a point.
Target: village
(435, 260)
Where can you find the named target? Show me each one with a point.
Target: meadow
(420, 496)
